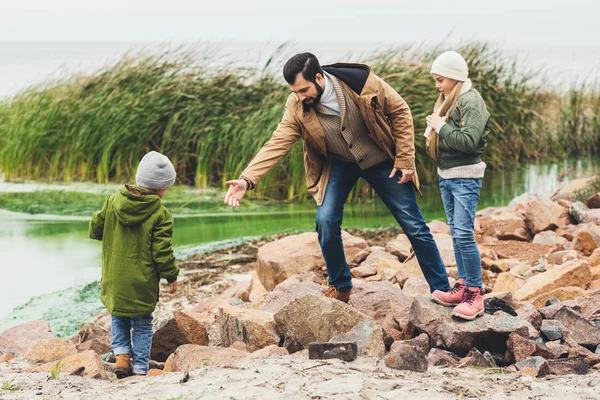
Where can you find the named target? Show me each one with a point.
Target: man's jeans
(460, 197)
(142, 340)
(399, 199)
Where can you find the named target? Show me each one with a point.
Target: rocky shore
(252, 321)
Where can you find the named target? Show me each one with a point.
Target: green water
(53, 259)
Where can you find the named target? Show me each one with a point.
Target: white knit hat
(451, 65)
(155, 172)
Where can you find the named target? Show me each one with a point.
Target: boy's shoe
(123, 366)
(453, 296)
(471, 306)
(333, 293)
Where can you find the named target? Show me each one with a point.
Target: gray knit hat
(155, 172)
(451, 65)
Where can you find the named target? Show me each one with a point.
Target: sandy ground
(296, 377)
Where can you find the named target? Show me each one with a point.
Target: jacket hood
(133, 205)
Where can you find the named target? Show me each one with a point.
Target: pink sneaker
(472, 305)
(452, 297)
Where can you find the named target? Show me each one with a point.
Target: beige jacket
(386, 114)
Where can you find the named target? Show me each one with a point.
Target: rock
(593, 201)
(169, 364)
(594, 261)
(442, 358)
(87, 364)
(579, 351)
(155, 372)
(505, 265)
(18, 338)
(550, 238)
(584, 242)
(254, 291)
(493, 304)
(526, 252)
(594, 285)
(588, 306)
(530, 314)
(278, 260)
(186, 327)
(96, 345)
(416, 286)
(373, 262)
(311, 319)
(346, 351)
(520, 348)
(270, 351)
(399, 247)
(580, 329)
(255, 328)
(568, 191)
(289, 290)
(382, 301)
(6, 357)
(238, 345)
(534, 366)
(508, 282)
(590, 216)
(409, 269)
(486, 332)
(436, 226)
(561, 257)
(505, 226)
(368, 337)
(407, 356)
(551, 333)
(559, 350)
(576, 211)
(542, 216)
(44, 351)
(506, 296)
(574, 273)
(475, 359)
(446, 248)
(557, 295)
(192, 356)
(575, 366)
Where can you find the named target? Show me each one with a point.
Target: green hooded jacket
(136, 231)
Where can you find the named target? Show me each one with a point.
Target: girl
(456, 139)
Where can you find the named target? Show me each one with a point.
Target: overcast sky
(563, 23)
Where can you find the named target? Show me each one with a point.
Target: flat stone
(551, 333)
(44, 351)
(269, 352)
(486, 332)
(535, 366)
(416, 286)
(559, 350)
(288, 291)
(442, 358)
(192, 356)
(310, 319)
(86, 364)
(407, 356)
(346, 351)
(255, 328)
(567, 366)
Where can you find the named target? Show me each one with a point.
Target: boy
(136, 231)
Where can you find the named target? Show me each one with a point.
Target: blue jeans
(124, 329)
(460, 197)
(399, 199)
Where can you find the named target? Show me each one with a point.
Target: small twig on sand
(316, 366)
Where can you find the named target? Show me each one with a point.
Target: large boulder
(384, 302)
(18, 338)
(289, 290)
(294, 254)
(489, 332)
(315, 319)
(86, 364)
(542, 215)
(255, 328)
(186, 327)
(567, 192)
(574, 273)
(44, 351)
(191, 356)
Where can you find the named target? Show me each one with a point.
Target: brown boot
(333, 293)
(123, 366)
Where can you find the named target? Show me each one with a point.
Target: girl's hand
(433, 120)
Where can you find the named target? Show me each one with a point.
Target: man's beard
(315, 100)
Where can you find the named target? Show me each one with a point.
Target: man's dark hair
(306, 63)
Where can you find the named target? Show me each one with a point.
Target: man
(353, 125)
